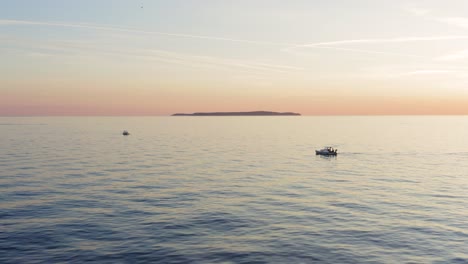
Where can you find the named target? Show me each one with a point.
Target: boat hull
(325, 153)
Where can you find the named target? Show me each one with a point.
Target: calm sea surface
(234, 190)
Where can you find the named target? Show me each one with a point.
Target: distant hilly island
(252, 113)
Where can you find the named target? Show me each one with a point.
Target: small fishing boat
(327, 151)
(125, 133)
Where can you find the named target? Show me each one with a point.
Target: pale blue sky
(240, 55)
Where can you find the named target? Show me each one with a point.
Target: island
(252, 113)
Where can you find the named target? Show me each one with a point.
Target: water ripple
(233, 191)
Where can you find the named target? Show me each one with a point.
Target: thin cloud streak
(423, 12)
(289, 46)
(416, 10)
(451, 21)
(292, 50)
(128, 30)
(382, 40)
(203, 61)
(454, 21)
(423, 72)
(214, 61)
(334, 44)
(194, 61)
(463, 54)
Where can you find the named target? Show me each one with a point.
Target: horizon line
(171, 115)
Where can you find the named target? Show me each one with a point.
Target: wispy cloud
(429, 14)
(383, 40)
(74, 48)
(344, 44)
(129, 30)
(426, 72)
(89, 50)
(416, 10)
(457, 21)
(461, 22)
(288, 47)
(209, 60)
(454, 21)
(293, 49)
(463, 54)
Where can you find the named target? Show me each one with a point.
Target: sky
(315, 57)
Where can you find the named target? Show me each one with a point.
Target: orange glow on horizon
(127, 106)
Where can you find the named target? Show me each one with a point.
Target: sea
(234, 189)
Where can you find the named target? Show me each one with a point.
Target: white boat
(327, 151)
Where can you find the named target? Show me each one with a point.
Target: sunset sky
(116, 57)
